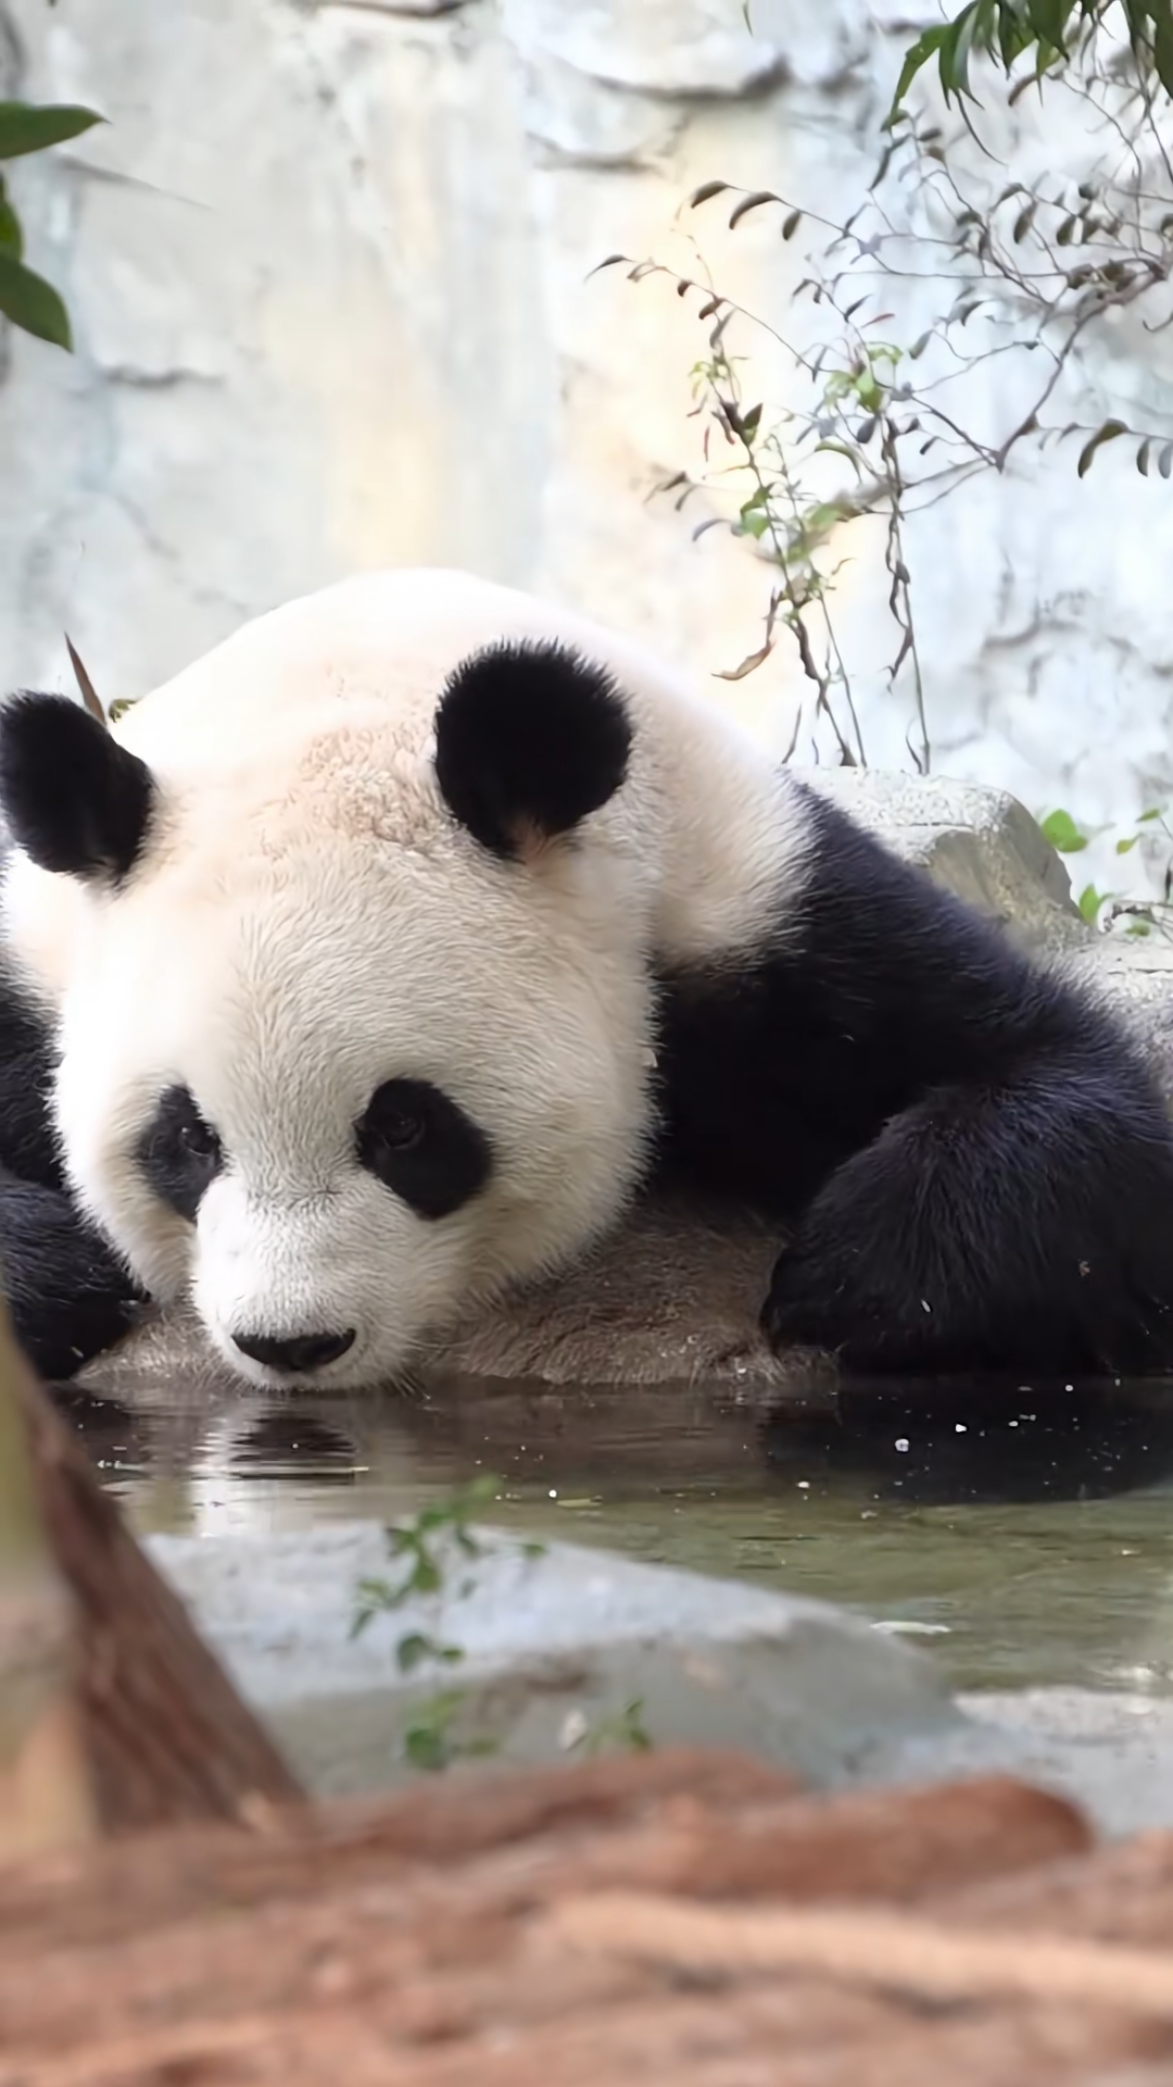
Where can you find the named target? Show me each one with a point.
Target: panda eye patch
(179, 1152)
(420, 1144)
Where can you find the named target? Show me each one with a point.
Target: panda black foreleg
(68, 1295)
(28, 1140)
(1025, 1225)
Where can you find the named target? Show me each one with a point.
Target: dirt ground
(670, 1917)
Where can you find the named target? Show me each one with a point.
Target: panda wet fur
(972, 1161)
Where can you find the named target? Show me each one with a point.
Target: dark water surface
(1025, 1540)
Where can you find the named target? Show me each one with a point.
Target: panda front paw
(880, 1305)
(838, 1296)
(68, 1295)
(60, 1343)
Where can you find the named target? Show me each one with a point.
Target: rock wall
(329, 272)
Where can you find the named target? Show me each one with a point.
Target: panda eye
(422, 1146)
(198, 1138)
(398, 1126)
(179, 1152)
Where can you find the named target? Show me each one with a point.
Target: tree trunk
(113, 1712)
(47, 1798)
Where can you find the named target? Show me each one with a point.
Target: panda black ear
(75, 800)
(530, 738)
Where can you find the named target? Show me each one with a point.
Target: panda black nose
(305, 1351)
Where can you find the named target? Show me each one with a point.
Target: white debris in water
(574, 1729)
(902, 1443)
(906, 1626)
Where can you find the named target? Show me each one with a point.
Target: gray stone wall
(328, 266)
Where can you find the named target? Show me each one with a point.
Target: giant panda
(379, 966)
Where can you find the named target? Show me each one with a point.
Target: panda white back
(710, 831)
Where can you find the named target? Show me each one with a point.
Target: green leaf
(26, 128)
(953, 62)
(1090, 901)
(11, 237)
(1159, 39)
(1009, 37)
(1146, 818)
(1048, 19)
(826, 515)
(1125, 847)
(1138, 927)
(411, 1650)
(839, 449)
(426, 1748)
(1048, 24)
(32, 303)
(416, 1647)
(426, 1577)
(1063, 833)
(1107, 433)
(916, 57)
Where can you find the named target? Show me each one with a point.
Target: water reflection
(1028, 1536)
(992, 1447)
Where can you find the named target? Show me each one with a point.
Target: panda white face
(347, 1103)
(354, 1034)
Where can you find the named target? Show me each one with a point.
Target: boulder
(522, 1654)
(982, 844)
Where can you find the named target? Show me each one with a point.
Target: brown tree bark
(162, 1733)
(47, 1797)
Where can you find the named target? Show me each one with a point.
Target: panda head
(353, 1014)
